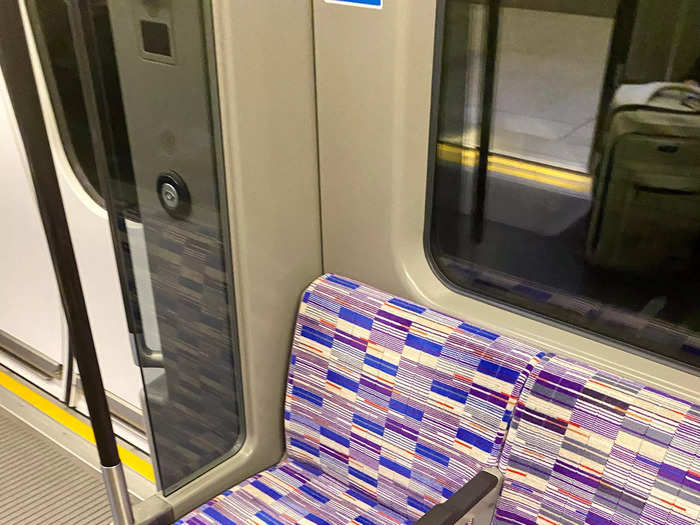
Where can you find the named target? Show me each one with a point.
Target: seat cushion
(398, 402)
(292, 492)
(586, 446)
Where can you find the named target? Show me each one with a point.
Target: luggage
(646, 198)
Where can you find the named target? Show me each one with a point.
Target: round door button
(171, 199)
(173, 194)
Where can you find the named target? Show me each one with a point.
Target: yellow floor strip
(517, 168)
(71, 422)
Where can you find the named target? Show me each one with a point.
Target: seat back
(401, 403)
(586, 446)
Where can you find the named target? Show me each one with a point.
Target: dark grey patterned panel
(199, 422)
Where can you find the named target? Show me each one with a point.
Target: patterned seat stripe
(586, 446)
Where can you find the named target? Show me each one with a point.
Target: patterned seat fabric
(292, 492)
(586, 446)
(394, 405)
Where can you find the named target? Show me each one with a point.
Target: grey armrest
(475, 500)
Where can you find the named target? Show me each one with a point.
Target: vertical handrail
(16, 66)
(488, 91)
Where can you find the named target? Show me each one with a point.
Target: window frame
(619, 49)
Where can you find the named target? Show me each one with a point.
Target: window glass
(586, 208)
(53, 34)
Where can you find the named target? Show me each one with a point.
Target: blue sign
(374, 4)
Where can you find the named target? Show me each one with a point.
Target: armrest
(476, 497)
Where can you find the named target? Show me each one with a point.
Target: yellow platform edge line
(65, 418)
(469, 157)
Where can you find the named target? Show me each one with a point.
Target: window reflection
(591, 213)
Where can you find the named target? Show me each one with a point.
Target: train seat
(293, 492)
(587, 446)
(390, 409)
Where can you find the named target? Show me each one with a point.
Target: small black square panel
(156, 38)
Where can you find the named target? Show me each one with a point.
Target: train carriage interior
(368, 262)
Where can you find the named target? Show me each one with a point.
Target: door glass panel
(168, 86)
(148, 86)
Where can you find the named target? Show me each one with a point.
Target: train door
(149, 161)
(136, 96)
(51, 33)
(28, 285)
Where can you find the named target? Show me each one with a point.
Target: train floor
(43, 483)
(48, 473)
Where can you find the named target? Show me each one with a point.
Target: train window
(57, 30)
(566, 173)
(51, 22)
